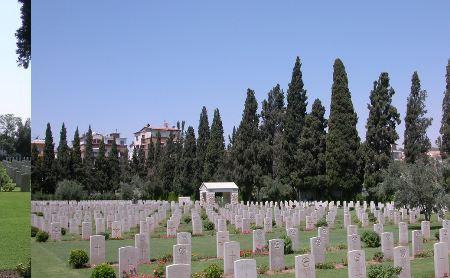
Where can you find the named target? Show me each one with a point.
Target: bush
(159, 271)
(103, 271)
(203, 215)
(322, 222)
(41, 236)
(69, 190)
(106, 235)
(24, 270)
(213, 271)
(262, 269)
(328, 265)
(78, 258)
(371, 217)
(6, 183)
(378, 256)
(287, 244)
(385, 271)
(371, 239)
(63, 231)
(40, 213)
(34, 231)
(187, 219)
(208, 225)
(436, 235)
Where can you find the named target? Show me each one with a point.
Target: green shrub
(203, 215)
(287, 244)
(322, 222)
(385, 271)
(172, 197)
(255, 227)
(41, 236)
(187, 219)
(234, 230)
(40, 213)
(436, 235)
(78, 258)
(69, 190)
(34, 231)
(213, 271)
(24, 270)
(208, 225)
(63, 231)
(328, 265)
(262, 269)
(371, 217)
(370, 239)
(159, 271)
(378, 256)
(103, 271)
(106, 235)
(6, 183)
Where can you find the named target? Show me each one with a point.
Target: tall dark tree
(272, 114)
(215, 149)
(245, 149)
(188, 165)
(49, 178)
(381, 134)
(416, 142)
(202, 140)
(88, 162)
(141, 163)
(101, 169)
(23, 140)
(293, 122)
(150, 161)
(63, 162)
(342, 139)
(76, 161)
(444, 144)
(114, 169)
(23, 35)
(36, 170)
(310, 174)
(167, 167)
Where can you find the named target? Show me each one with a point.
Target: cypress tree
(342, 140)
(215, 149)
(444, 144)
(150, 162)
(416, 142)
(188, 165)
(88, 162)
(310, 174)
(114, 169)
(36, 170)
(63, 161)
(141, 163)
(202, 141)
(101, 169)
(49, 179)
(158, 148)
(293, 122)
(167, 168)
(245, 148)
(76, 161)
(381, 134)
(271, 129)
(135, 161)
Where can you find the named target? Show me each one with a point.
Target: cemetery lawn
(14, 229)
(50, 259)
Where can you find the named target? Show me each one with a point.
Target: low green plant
(208, 225)
(371, 239)
(34, 231)
(159, 271)
(322, 222)
(385, 271)
(187, 219)
(255, 227)
(24, 270)
(378, 256)
(287, 244)
(107, 235)
(262, 269)
(371, 217)
(41, 236)
(213, 271)
(436, 235)
(328, 265)
(203, 215)
(78, 258)
(70, 190)
(103, 271)
(63, 231)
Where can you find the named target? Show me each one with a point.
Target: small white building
(208, 192)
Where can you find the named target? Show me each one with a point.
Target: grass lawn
(14, 229)
(50, 259)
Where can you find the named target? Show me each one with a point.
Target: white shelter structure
(208, 192)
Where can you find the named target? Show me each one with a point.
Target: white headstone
(276, 254)
(305, 266)
(128, 260)
(245, 268)
(97, 250)
(356, 264)
(441, 268)
(231, 251)
(401, 259)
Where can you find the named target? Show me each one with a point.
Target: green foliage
(378, 256)
(322, 222)
(172, 197)
(444, 140)
(436, 235)
(328, 265)
(215, 150)
(287, 244)
(103, 271)
(273, 190)
(208, 225)
(23, 35)
(371, 239)
(416, 142)
(70, 190)
(159, 271)
(107, 235)
(78, 258)
(34, 231)
(342, 138)
(42, 236)
(416, 184)
(371, 217)
(381, 134)
(262, 269)
(24, 270)
(187, 219)
(63, 231)
(6, 183)
(385, 271)
(213, 271)
(202, 141)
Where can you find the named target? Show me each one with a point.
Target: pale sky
(15, 82)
